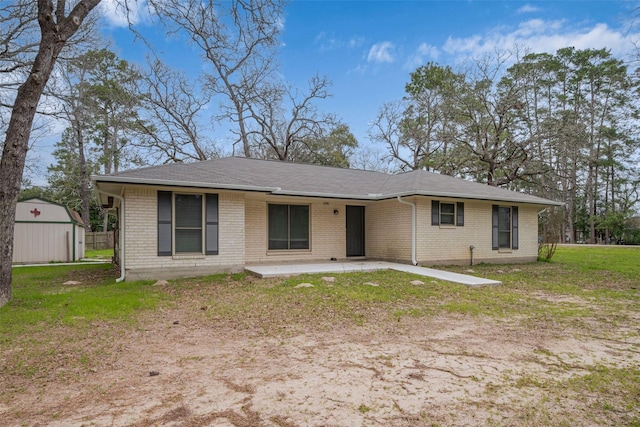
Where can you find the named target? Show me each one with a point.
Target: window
(187, 224)
(447, 213)
(188, 217)
(505, 227)
(288, 227)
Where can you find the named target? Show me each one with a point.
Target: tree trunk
(53, 38)
(84, 178)
(15, 152)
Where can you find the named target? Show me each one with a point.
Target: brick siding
(243, 226)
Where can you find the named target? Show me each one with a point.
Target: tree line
(563, 126)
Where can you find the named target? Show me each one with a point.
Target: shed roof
(298, 179)
(73, 216)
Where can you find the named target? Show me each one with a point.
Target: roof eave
(384, 196)
(539, 201)
(279, 192)
(172, 183)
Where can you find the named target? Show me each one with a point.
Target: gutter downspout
(413, 229)
(121, 278)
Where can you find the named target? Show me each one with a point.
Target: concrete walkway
(84, 261)
(275, 270)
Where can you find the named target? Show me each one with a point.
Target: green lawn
(42, 300)
(608, 277)
(99, 254)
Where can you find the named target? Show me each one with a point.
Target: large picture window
(288, 227)
(187, 223)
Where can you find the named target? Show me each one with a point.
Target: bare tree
(176, 108)
(238, 40)
(19, 44)
(283, 136)
(386, 129)
(18, 41)
(57, 25)
(371, 159)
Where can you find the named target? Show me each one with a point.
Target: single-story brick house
(220, 215)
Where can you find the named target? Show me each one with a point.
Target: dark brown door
(355, 230)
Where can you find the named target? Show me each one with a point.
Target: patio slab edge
(270, 271)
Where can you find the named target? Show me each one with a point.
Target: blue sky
(369, 48)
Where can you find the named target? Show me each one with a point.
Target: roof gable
(38, 209)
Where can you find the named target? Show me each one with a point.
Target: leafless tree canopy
(176, 107)
(238, 40)
(285, 120)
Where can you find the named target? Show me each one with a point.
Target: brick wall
(450, 244)
(388, 230)
(141, 244)
(388, 234)
(243, 234)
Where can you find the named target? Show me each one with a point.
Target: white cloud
(527, 8)
(121, 13)
(329, 42)
(423, 53)
(541, 36)
(381, 52)
(355, 42)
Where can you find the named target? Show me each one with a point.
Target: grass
(568, 290)
(577, 279)
(47, 320)
(99, 254)
(621, 260)
(41, 299)
(580, 283)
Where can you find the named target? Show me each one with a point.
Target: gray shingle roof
(238, 173)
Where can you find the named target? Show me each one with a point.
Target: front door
(355, 230)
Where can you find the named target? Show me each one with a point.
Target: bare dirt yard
(210, 356)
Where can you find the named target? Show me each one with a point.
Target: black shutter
(435, 212)
(460, 214)
(164, 223)
(494, 228)
(514, 227)
(211, 232)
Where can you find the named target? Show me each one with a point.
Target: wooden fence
(98, 240)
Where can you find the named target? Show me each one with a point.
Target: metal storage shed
(47, 232)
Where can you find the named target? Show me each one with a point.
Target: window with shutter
(447, 213)
(187, 223)
(504, 227)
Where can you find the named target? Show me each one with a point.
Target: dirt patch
(444, 370)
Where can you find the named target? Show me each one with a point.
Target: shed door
(355, 230)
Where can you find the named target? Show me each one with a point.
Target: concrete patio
(294, 269)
